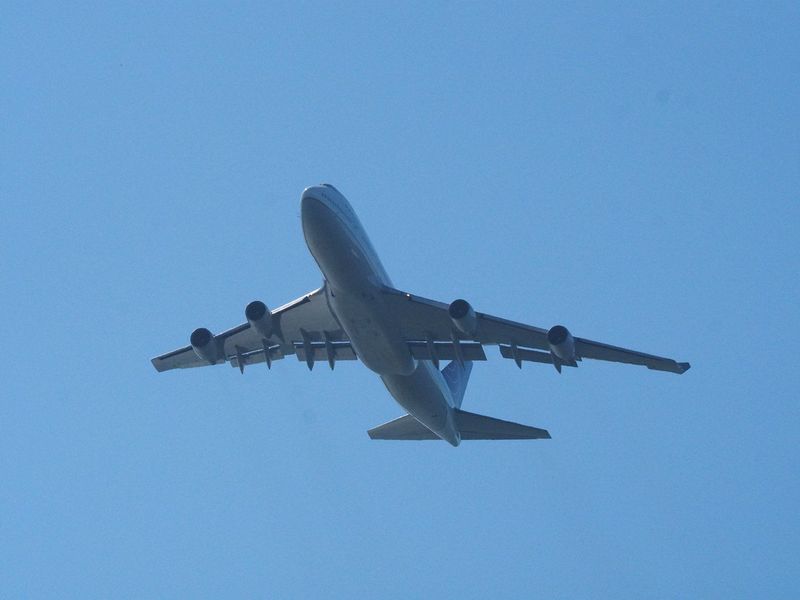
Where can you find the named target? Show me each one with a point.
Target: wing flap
(446, 350)
(255, 357)
(525, 355)
(320, 351)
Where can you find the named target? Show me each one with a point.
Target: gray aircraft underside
(357, 314)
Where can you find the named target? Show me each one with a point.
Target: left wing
(424, 319)
(307, 324)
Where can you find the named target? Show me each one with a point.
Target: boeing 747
(358, 314)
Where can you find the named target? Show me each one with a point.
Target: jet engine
(259, 317)
(463, 317)
(561, 343)
(205, 345)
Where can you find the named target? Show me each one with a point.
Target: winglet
(684, 367)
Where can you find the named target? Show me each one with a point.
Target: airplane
(358, 314)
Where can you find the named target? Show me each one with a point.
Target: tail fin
(457, 376)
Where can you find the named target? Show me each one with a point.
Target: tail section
(457, 376)
(470, 426)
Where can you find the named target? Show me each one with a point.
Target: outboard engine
(463, 317)
(259, 317)
(562, 345)
(205, 345)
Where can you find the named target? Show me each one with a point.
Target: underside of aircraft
(358, 314)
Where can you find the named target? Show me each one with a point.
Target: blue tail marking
(457, 377)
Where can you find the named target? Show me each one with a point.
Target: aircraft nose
(311, 193)
(319, 199)
(313, 203)
(324, 195)
(317, 214)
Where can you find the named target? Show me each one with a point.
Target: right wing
(306, 324)
(424, 319)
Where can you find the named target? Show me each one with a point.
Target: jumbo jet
(358, 314)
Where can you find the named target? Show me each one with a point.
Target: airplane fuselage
(354, 277)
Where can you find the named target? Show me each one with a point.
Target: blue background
(631, 171)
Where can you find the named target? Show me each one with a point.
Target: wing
(307, 324)
(423, 319)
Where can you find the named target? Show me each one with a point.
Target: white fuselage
(355, 278)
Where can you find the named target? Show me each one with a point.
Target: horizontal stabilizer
(403, 428)
(471, 426)
(479, 427)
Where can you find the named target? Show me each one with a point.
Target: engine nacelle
(205, 345)
(561, 343)
(259, 317)
(463, 317)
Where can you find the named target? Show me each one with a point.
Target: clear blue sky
(629, 171)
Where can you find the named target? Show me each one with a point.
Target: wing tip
(684, 366)
(158, 364)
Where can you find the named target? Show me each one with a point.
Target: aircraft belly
(372, 333)
(426, 399)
